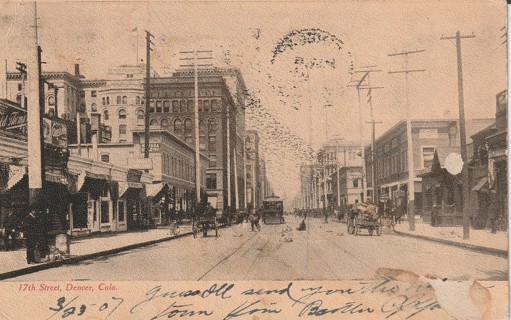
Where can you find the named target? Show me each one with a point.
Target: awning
(125, 185)
(156, 190)
(96, 179)
(482, 185)
(16, 173)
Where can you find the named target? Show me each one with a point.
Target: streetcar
(273, 210)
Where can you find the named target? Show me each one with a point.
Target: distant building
(391, 159)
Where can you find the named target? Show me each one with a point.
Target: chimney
(77, 70)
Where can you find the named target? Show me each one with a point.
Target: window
(164, 123)
(105, 157)
(107, 100)
(175, 106)
(200, 106)
(140, 117)
(20, 87)
(214, 105)
(166, 106)
(188, 131)
(182, 106)
(122, 114)
(122, 133)
(121, 210)
(18, 99)
(206, 105)
(124, 100)
(151, 106)
(355, 183)
(427, 156)
(104, 101)
(212, 126)
(178, 127)
(51, 100)
(93, 107)
(153, 123)
(212, 143)
(105, 114)
(158, 106)
(119, 99)
(137, 100)
(189, 106)
(211, 181)
(93, 93)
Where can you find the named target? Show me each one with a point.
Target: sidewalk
(480, 240)
(14, 263)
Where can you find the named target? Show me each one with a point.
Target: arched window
(93, 107)
(124, 100)
(122, 114)
(178, 127)
(119, 99)
(137, 100)
(188, 131)
(51, 100)
(140, 117)
(164, 123)
(153, 122)
(104, 101)
(212, 126)
(105, 115)
(107, 100)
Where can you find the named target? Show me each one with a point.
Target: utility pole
(34, 125)
(245, 172)
(147, 92)
(463, 137)
(195, 66)
(411, 165)
(361, 86)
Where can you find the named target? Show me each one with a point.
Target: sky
(300, 96)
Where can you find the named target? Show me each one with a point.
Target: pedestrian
(31, 230)
(254, 219)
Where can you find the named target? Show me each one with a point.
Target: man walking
(31, 233)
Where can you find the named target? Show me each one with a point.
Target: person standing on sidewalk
(31, 229)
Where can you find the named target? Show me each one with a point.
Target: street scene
(177, 141)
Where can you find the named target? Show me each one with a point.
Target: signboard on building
(13, 119)
(55, 132)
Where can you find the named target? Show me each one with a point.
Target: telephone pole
(361, 86)
(147, 91)
(463, 137)
(195, 66)
(411, 166)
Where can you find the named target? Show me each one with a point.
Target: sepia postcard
(254, 160)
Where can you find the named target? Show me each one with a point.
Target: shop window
(105, 211)
(211, 181)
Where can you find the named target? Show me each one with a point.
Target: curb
(76, 259)
(472, 247)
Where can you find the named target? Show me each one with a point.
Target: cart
(367, 218)
(205, 223)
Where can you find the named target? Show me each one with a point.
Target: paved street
(280, 252)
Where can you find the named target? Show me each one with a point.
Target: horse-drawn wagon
(365, 217)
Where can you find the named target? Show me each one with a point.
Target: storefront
(159, 202)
